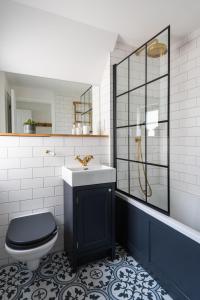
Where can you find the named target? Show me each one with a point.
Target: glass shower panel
(122, 143)
(157, 56)
(137, 180)
(157, 145)
(122, 77)
(137, 68)
(157, 179)
(141, 107)
(122, 110)
(157, 101)
(137, 143)
(122, 175)
(137, 106)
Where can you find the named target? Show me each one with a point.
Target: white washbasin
(93, 175)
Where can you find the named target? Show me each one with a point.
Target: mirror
(36, 105)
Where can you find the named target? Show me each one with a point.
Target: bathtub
(167, 248)
(184, 229)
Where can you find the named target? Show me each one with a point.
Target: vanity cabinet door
(94, 217)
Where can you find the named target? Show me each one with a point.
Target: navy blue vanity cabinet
(89, 222)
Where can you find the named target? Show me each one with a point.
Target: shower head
(156, 49)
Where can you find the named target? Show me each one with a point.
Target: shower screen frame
(128, 126)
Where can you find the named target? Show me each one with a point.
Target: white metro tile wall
(185, 130)
(30, 179)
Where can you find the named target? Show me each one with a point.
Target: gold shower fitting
(148, 191)
(155, 49)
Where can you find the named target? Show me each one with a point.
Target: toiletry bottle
(74, 129)
(79, 129)
(85, 129)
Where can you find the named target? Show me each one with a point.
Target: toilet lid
(31, 231)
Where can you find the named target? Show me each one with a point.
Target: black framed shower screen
(141, 90)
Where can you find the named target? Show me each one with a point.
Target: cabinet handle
(110, 190)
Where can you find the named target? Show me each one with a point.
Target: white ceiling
(59, 87)
(135, 20)
(36, 42)
(71, 39)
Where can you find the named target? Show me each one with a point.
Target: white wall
(185, 130)
(43, 44)
(30, 180)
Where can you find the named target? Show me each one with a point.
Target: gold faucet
(84, 162)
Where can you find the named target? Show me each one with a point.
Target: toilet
(31, 237)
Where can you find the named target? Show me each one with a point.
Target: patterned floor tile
(120, 279)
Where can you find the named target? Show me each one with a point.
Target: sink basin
(92, 175)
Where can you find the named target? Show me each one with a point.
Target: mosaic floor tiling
(122, 278)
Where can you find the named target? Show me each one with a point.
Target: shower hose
(147, 191)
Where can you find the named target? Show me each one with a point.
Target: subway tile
(31, 141)
(9, 163)
(59, 210)
(9, 185)
(59, 190)
(43, 172)
(9, 141)
(3, 219)
(32, 183)
(20, 195)
(32, 162)
(19, 152)
(4, 197)
(54, 141)
(64, 151)
(76, 141)
(19, 173)
(2, 242)
(53, 161)
(53, 201)
(3, 230)
(9, 207)
(43, 192)
(52, 181)
(3, 174)
(31, 204)
(3, 152)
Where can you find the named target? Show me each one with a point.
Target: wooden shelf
(55, 134)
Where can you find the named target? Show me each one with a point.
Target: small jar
(79, 130)
(86, 129)
(74, 129)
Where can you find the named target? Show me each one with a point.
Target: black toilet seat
(31, 231)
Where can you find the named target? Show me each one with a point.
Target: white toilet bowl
(30, 238)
